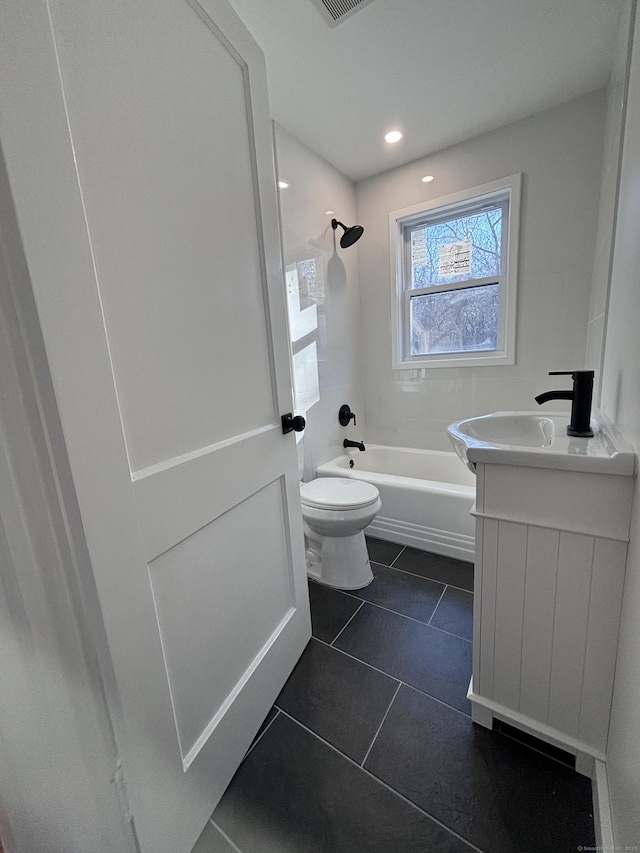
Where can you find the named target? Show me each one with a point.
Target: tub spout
(359, 444)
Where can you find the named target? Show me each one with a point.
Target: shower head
(350, 234)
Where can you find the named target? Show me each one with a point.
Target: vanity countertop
(540, 440)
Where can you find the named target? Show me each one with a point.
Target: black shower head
(350, 234)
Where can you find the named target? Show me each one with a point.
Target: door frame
(49, 588)
(62, 785)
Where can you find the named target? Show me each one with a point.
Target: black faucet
(580, 398)
(359, 444)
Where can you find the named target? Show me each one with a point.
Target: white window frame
(401, 293)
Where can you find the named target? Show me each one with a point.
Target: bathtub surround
(558, 152)
(327, 275)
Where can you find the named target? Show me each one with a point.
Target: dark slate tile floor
(424, 657)
(370, 746)
(493, 791)
(338, 698)
(330, 611)
(455, 613)
(444, 569)
(403, 593)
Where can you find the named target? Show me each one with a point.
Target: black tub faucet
(359, 444)
(580, 398)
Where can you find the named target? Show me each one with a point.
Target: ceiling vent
(336, 11)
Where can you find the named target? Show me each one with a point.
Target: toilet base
(341, 562)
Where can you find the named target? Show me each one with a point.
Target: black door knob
(291, 424)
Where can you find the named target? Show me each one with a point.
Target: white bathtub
(426, 496)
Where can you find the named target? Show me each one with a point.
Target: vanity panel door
(605, 603)
(573, 584)
(537, 628)
(510, 584)
(484, 627)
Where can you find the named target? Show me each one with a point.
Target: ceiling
(440, 70)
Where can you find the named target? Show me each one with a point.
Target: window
(305, 308)
(454, 270)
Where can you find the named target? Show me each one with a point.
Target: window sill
(451, 360)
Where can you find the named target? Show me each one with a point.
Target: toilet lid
(338, 493)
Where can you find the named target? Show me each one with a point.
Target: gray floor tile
(496, 793)
(330, 611)
(454, 613)
(404, 593)
(381, 551)
(295, 794)
(342, 700)
(438, 568)
(435, 662)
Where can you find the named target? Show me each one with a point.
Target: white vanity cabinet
(550, 560)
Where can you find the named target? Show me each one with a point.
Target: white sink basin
(540, 441)
(519, 430)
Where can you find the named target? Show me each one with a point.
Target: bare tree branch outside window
(463, 319)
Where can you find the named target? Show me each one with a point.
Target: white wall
(314, 188)
(559, 153)
(621, 400)
(612, 152)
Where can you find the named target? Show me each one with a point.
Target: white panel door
(138, 144)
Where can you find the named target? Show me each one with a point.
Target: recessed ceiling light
(427, 179)
(329, 212)
(283, 185)
(393, 136)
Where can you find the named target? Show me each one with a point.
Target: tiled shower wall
(314, 188)
(559, 153)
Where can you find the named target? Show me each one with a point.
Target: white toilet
(335, 511)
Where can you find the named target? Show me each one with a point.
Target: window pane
(302, 321)
(464, 320)
(306, 383)
(433, 246)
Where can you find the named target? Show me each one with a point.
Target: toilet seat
(338, 493)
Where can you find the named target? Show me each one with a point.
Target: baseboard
(426, 538)
(602, 821)
(587, 756)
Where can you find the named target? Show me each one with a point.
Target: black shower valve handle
(345, 415)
